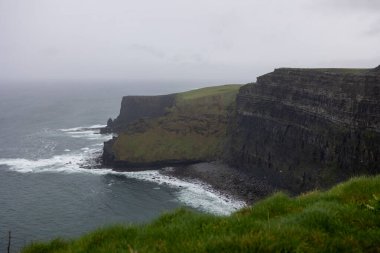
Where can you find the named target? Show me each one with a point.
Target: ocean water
(49, 142)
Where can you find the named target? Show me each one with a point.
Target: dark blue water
(47, 135)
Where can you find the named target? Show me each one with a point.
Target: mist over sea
(48, 136)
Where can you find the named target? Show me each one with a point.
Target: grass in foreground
(344, 219)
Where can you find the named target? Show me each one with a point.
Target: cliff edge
(307, 128)
(134, 108)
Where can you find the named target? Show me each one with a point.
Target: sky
(228, 41)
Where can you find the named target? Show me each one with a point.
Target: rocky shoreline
(224, 179)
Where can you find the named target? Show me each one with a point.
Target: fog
(208, 41)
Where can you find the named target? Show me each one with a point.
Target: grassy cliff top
(209, 91)
(332, 70)
(343, 219)
(193, 129)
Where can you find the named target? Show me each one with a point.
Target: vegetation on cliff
(192, 129)
(343, 219)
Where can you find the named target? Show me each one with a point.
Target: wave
(68, 163)
(87, 132)
(81, 128)
(192, 193)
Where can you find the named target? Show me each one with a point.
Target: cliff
(307, 128)
(134, 108)
(296, 129)
(176, 129)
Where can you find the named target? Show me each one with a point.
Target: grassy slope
(193, 129)
(339, 220)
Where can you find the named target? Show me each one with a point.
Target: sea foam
(87, 132)
(192, 193)
(81, 128)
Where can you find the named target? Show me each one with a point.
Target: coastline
(219, 176)
(224, 179)
(229, 181)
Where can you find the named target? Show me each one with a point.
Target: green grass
(209, 91)
(193, 129)
(344, 219)
(157, 144)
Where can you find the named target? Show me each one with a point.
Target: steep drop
(307, 128)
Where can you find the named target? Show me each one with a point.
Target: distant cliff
(134, 108)
(307, 128)
(176, 129)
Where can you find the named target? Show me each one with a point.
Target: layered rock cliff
(307, 128)
(296, 128)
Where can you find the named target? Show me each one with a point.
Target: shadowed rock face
(305, 128)
(134, 108)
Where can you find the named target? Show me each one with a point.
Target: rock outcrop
(169, 130)
(134, 108)
(307, 128)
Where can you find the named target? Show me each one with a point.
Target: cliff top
(196, 93)
(354, 71)
(377, 69)
(149, 96)
(208, 91)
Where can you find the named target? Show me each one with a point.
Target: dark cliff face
(303, 128)
(134, 108)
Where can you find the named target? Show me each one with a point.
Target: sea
(50, 184)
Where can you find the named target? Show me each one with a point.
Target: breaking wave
(87, 132)
(192, 193)
(81, 128)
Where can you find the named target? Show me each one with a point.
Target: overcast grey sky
(230, 40)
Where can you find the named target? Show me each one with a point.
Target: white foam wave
(81, 128)
(68, 163)
(87, 132)
(192, 193)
